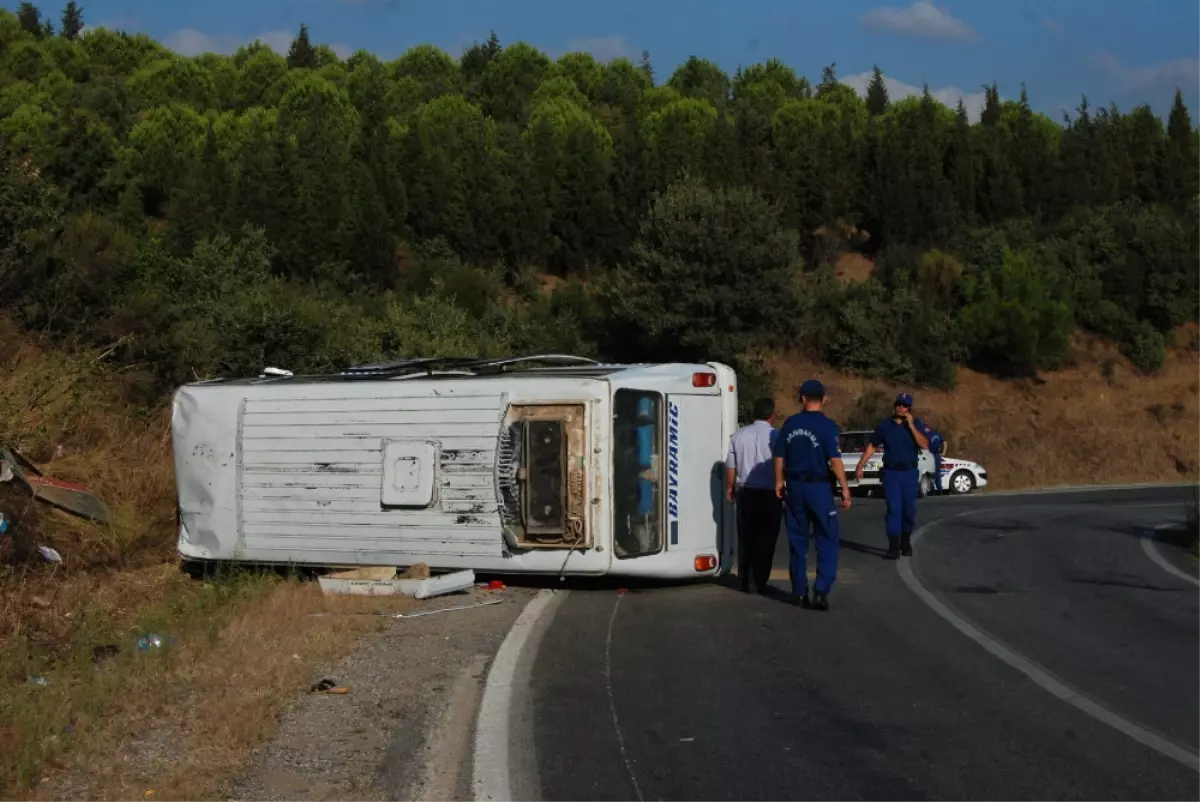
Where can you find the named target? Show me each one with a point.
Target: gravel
(404, 730)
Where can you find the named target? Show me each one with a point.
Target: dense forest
(213, 215)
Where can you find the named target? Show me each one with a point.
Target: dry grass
(1098, 421)
(853, 268)
(180, 723)
(180, 720)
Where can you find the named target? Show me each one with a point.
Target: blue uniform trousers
(810, 507)
(937, 472)
(900, 493)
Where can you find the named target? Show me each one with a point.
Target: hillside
(1097, 421)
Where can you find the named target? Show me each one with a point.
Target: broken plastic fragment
(50, 554)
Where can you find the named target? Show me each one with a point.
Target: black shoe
(906, 545)
(798, 601)
(893, 552)
(819, 602)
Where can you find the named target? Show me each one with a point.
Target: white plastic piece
(276, 372)
(417, 588)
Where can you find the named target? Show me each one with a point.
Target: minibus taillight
(705, 562)
(704, 379)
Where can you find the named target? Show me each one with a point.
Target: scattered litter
(416, 615)
(3, 524)
(6, 472)
(686, 740)
(622, 590)
(328, 686)
(417, 588)
(37, 681)
(38, 601)
(152, 640)
(446, 609)
(65, 495)
(495, 584)
(50, 554)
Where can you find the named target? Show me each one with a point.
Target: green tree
(711, 275)
(1013, 322)
(1181, 162)
(877, 93)
(301, 54)
(72, 21)
(31, 21)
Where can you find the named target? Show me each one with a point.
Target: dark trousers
(810, 509)
(900, 496)
(759, 515)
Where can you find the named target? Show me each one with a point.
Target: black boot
(893, 552)
(819, 602)
(906, 545)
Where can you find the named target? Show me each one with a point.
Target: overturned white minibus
(544, 464)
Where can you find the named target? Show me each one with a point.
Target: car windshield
(854, 442)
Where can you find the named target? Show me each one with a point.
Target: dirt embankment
(1097, 421)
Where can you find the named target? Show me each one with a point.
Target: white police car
(959, 476)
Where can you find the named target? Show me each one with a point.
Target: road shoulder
(403, 731)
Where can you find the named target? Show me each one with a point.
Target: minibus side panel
(695, 501)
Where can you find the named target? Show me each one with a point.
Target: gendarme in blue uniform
(806, 444)
(935, 448)
(899, 476)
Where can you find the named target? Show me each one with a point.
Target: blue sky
(1128, 52)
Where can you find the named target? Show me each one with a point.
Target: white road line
(1162, 562)
(491, 778)
(612, 704)
(1035, 672)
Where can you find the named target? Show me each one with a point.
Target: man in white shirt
(750, 479)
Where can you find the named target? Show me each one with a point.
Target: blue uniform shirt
(807, 441)
(935, 440)
(899, 446)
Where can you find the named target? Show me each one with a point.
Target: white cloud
(191, 42)
(922, 19)
(1181, 72)
(898, 90)
(603, 48)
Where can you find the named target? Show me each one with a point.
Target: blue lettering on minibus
(673, 471)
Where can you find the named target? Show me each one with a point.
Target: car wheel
(962, 482)
(926, 486)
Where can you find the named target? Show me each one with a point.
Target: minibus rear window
(637, 473)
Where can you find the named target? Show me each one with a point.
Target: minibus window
(637, 473)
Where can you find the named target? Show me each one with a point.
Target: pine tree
(828, 76)
(302, 55)
(31, 20)
(646, 67)
(990, 117)
(962, 164)
(877, 93)
(1180, 163)
(72, 21)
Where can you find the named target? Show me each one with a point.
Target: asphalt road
(702, 692)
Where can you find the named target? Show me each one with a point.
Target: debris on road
(67, 496)
(328, 686)
(417, 614)
(362, 582)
